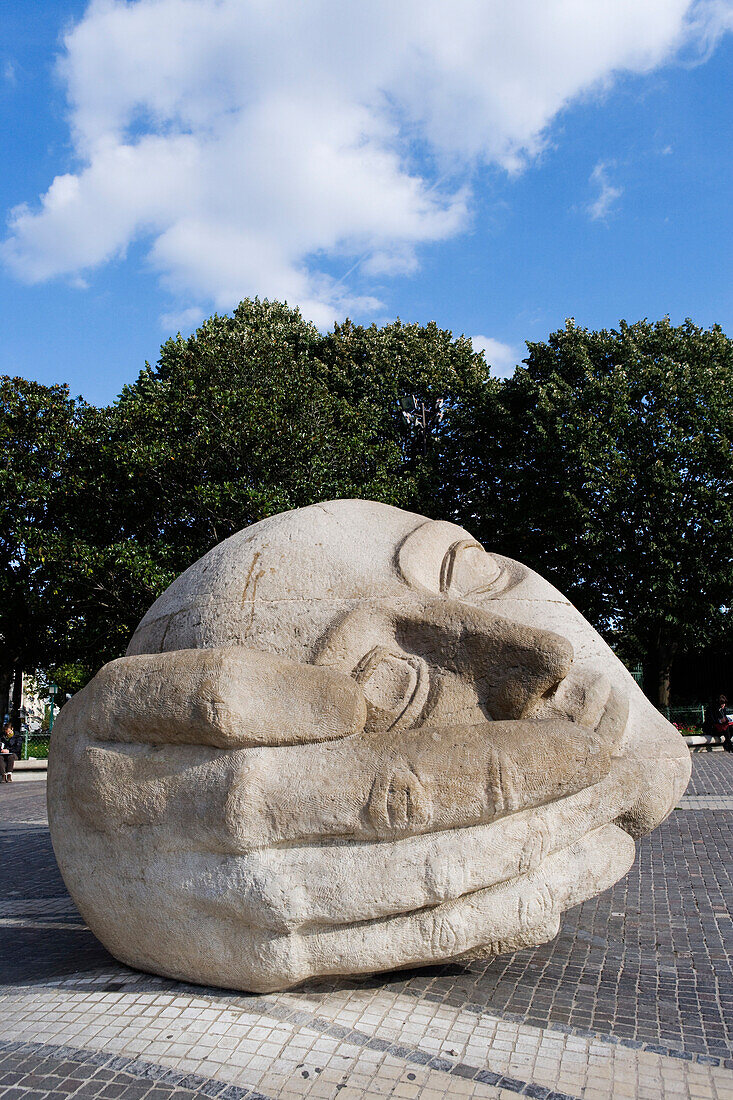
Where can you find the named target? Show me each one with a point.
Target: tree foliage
(253, 414)
(606, 463)
(38, 426)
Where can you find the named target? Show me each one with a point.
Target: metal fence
(35, 745)
(686, 716)
(691, 716)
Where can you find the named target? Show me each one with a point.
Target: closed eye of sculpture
(395, 748)
(468, 571)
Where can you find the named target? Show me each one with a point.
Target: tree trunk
(665, 658)
(17, 699)
(6, 678)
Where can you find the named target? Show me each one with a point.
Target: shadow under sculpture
(349, 739)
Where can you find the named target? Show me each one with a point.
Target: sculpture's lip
(614, 719)
(588, 709)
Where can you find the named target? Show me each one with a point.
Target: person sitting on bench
(10, 749)
(717, 721)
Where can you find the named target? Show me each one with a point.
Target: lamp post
(419, 414)
(24, 730)
(52, 689)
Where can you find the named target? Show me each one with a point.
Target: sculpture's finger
(416, 781)
(220, 697)
(176, 807)
(655, 778)
(285, 889)
(423, 781)
(516, 914)
(171, 936)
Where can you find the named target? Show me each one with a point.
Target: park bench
(704, 742)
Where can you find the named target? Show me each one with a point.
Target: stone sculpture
(348, 739)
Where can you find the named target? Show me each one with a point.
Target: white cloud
(502, 358)
(607, 195)
(184, 320)
(255, 144)
(709, 21)
(9, 74)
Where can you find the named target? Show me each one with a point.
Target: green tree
(412, 384)
(253, 414)
(37, 427)
(605, 462)
(234, 423)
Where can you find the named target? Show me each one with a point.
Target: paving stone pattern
(649, 961)
(34, 1070)
(22, 803)
(712, 773)
(644, 972)
(706, 802)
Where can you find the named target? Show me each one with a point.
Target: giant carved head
(350, 739)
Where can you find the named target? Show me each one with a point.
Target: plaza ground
(633, 999)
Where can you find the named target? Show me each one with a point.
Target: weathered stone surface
(349, 739)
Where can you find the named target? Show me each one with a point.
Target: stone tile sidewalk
(633, 999)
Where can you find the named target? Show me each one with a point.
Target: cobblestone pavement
(634, 998)
(712, 773)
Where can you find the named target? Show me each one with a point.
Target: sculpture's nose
(517, 663)
(511, 665)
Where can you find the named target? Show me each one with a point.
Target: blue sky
(493, 167)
